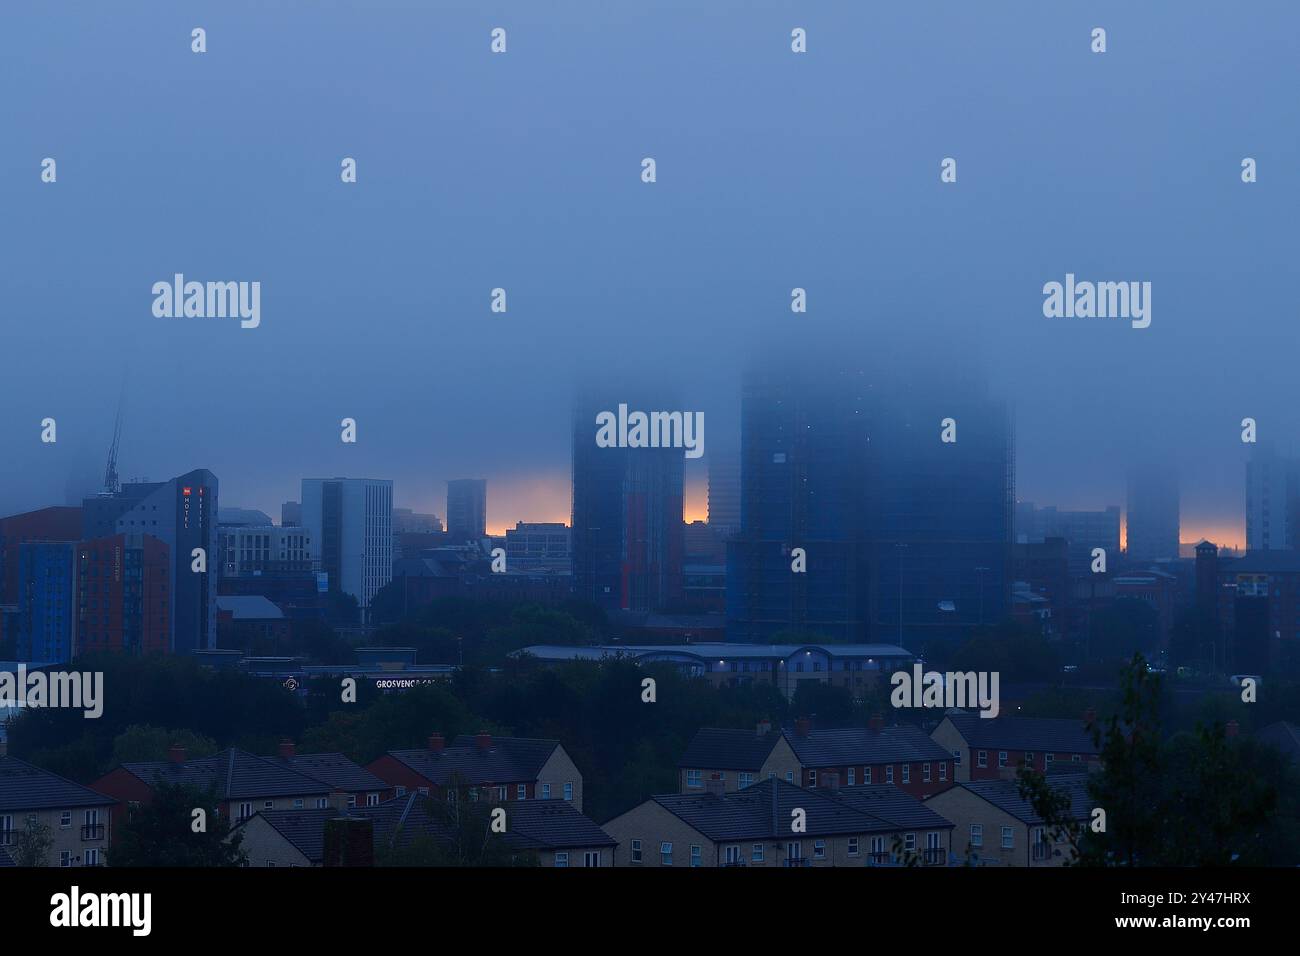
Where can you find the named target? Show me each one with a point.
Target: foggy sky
(522, 171)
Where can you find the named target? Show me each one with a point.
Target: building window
(665, 854)
(92, 857)
(976, 835)
(745, 780)
(756, 853)
(850, 776)
(568, 791)
(943, 771)
(695, 778)
(636, 851)
(65, 858)
(352, 799)
(696, 855)
(925, 773)
(866, 775)
(297, 804)
(1049, 757)
(561, 860)
(591, 858)
(546, 791)
(65, 819)
(793, 851)
(1008, 838)
(521, 792)
(853, 846)
(889, 774)
(400, 791)
(909, 842)
(1075, 758)
(1029, 759)
(819, 849)
(907, 773)
(322, 803)
(501, 793)
(956, 758)
(372, 799)
(245, 811)
(812, 778)
(983, 758)
(789, 776)
(1002, 758)
(733, 856)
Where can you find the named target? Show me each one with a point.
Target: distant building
(291, 514)
(1272, 500)
(466, 509)
(1084, 531)
(993, 748)
(724, 490)
(350, 522)
(37, 583)
(544, 547)
(406, 521)
(124, 595)
(1152, 519)
(248, 549)
(627, 518)
(182, 512)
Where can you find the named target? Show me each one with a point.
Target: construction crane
(112, 484)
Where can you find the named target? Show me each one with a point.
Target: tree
(162, 833)
(32, 845)
(453, 833)
(142, 742)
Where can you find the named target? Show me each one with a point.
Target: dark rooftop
(24, 787)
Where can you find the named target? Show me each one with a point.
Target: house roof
(335, 769)
(893, 805)
(304, 829)
(25, 787)
(235, 773)
(552, 825)
(851, 746)
(729, 749)
(1034, 734)
(764, 812)
(506, 760)
(1005, 795)
(5, 858)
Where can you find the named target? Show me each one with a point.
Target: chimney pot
(436, 743)
(802, 726)
(876, 724)
(176, 754)
(483, 740)
(763, 728)
(287, 749)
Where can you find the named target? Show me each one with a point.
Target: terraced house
(776, 824)
(479, 766)
(993, 749)
(75, 818)
(245, 783)
(902, 755)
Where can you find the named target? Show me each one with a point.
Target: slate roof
(24, 787)
(763, 812)
(335, 769)
(305, 829)
(893, 805)
(851, 746)
(5, 858)
(508, 760)
(729, 749)
(552, 825)
(236, 773)
(1034, 734)
(1005, 795)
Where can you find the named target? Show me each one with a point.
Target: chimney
(349, 841)
(763, 728)
(483, 741)
(176, 754)
(436, 743)
(287, 749)
(876, 724)
(1089, 717)
(802, 726)
(1232, 728)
